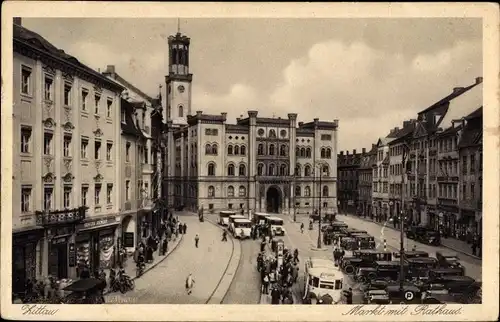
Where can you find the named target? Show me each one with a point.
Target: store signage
(72, 255)
(97, 223)
(128, 239)
(59, 240)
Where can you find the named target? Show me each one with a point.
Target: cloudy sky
(371, 74)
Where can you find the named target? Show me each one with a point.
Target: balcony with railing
(60, 217)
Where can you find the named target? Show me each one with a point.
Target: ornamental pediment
(68, 126)
(49, 123)
(98, 178)
(49, 178)
(68, 177)
(98, 132)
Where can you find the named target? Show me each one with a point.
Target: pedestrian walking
(184, 228)
(302, 228)
(189, 284)
(196, 240)
(224, 236)
(348, 296)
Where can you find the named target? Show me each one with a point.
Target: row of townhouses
(86, 170)
(442, 187)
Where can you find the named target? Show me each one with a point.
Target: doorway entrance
(273, 200)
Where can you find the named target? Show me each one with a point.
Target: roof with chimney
(36, 43)
(472, 135)
(350, 160)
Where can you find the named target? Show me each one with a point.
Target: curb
(154, 264)
(233, 261)
(395, 229)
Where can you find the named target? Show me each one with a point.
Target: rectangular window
(109, 193)
(472, 163)
(326, 137)
(109, 149)
(472, 191)
(464, 164)
(85, 192)
(97, 194)
(464, 191)
(83, 148)
(127, 152)
(25, 199)
(47, 143)
(48, 88)
(85, 93)
(67, 94)
(109, 104)
(127, 190)
(97, 150)
(25, 80)
(67, 197)
(146, 155)
(67, 146)
(97, 100)
(25, 140)
(48, 193)
(123, 117)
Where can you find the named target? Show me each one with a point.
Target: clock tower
(178, 80)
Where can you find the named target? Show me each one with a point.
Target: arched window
(271, 170)
(325, 191)
(229, 149)
(308, 152)
(260, 149)
(297, 152)
(242, 170)
(230, 170)
(181, 111)
(307, 171)
(208, 149)
(211, 192)
(271, 149)
(298, 170)
(230, 191)
(283, 170)
(302, 152)
(211, 169)
(323, 153)
(307, 191)
(272, 133)
(260, 169)
(214, 149)
(283, 150)
(243, 150)
(242, 191)
(328, 153)
(325, 171)
(297, 191)
(236, 150)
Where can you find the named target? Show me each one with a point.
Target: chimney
(224, 115)
(346, 152)
(301, 123)
(238, 119)
(457, 89)
(110, 69)
(479, 80)
(17, 21)
(341, 152)
(363, 150)
(354, 152)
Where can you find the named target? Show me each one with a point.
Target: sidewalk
(130, 266)
(451, 243)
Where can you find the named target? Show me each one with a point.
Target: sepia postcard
(250, 161)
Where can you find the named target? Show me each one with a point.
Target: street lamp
(321, 167)
(294, 197)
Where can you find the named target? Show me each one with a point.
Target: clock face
(181, 88)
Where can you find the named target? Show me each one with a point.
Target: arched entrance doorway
(273, 200)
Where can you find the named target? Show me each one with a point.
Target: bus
(231, 220)
(322, 278)
(276, 225)
(260, 217)
(224, 217)
(241, 228)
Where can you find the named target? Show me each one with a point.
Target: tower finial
(178, 25)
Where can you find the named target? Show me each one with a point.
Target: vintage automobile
(363, 258)
(449, 261)
(365, 241)
(464, 289)
(336, 226)
(348, 243)
(85, 291)
(328, 217)
(350, 231)
(419, 267)
(424, 235)
(412, 254)
(382, 270)
(378, 296)
(439, 274)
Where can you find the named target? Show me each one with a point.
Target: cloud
(369, 90)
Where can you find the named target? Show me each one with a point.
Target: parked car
(424, 235)
(448, 260)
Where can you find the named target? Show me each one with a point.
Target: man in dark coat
(184, 229)
(275, 295)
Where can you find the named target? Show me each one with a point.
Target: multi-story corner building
(365, 175)
(348, 179)
(402, 137)
(380, 194)
(423, 147)
(66, 143)
(260, 164)
(470, 147)
(140, 165)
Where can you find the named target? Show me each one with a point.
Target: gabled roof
(129, 127)
(457, 92)
(473, 131)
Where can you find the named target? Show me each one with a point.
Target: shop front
(144, 224)
(24, 263)
(95, 243)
